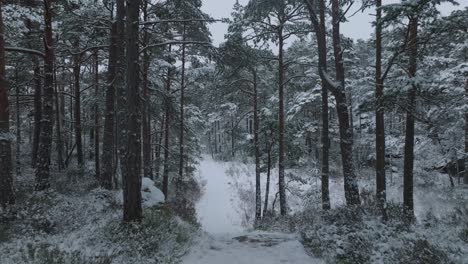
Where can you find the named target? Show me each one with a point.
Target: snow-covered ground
(216, 209)
(249, 248)
(226, 241)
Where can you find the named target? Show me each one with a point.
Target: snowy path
(226, 242)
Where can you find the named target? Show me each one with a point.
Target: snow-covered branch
(26, 51)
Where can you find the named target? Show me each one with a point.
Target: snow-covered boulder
(150, 194)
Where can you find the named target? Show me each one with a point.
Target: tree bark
(18, 126)
(379, 116)
(258, 192)
(320, 34)
(167, 127)
(409, 133)
(182, 122)
(45, 138)
(97, 117)
(346, 140)
(281, 147)
(465, 181)
(7, 194)
(132, 169)
(267, 184)
(108, 146)
(59, 139)
(325, 167)
(147, 168)
(119, 84)
(77, 109)
(37, 110)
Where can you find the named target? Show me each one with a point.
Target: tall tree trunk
(132, 169)
(258, 194)
(147, 168)
(77, 109)
(281, 165)
(320, 34)
(18, 126)
(465, 181)
(346, 138)
(7, 194)
(97, 117)
(37, 110)
(325, 145)
(45, 138)
(58, 121)
(409, 133)
(182, 121)
(119, 84)
(379, 116)
(167, 127)
(108, 146)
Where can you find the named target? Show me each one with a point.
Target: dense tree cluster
(135, 88)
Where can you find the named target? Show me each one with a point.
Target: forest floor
(226, 241)
(310, 235)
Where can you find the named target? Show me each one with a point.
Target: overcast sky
(359, 26)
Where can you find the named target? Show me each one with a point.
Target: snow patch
(150, 194)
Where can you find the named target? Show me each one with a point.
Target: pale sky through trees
(358, 27)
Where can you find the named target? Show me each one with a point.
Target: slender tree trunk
(281, 153)
(119, 84)
(108, 146)
(147, 168)
(18, 126)
(346, 138)
(58, 121)
(77, 109)
(182, 121)
(267, 187)
(379, 116)
(409, 133)
(465, 181)
(7, 194)
(167, 127)
(159, 148)
(45, 138)
(320, 34)
(325, 168)
(37, 110)
(258, 194)
(97, 117)
(132, 169)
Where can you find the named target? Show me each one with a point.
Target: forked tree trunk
(45, 138)
(320, 34)
(7, 195)
(132, 169)
(409, 132)
(346, 136)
